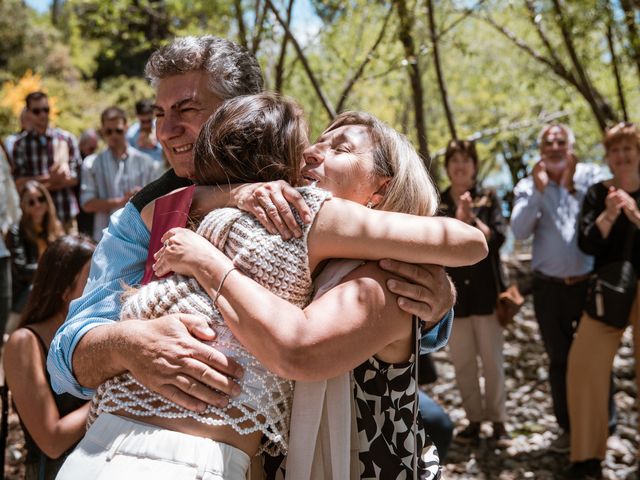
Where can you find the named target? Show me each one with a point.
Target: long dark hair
(51, 226)
(57, 271)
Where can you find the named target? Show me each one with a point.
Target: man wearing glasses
(50, 156)
(547, 206)
(110, 178)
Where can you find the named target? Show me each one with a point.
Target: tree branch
(360, 70)
(305, 63)
(439, 74)
(283, 51)
(242, 30)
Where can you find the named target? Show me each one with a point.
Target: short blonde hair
(411, 189)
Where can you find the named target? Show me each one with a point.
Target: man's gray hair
(232, 70)
(571, 138)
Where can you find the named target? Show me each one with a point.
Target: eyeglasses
(35, 201)
(108, 131)
(38, 111)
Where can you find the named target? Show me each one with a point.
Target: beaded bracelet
(224, 277)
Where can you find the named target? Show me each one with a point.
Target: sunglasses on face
(38, 111)
(32, 202)
(108, 131)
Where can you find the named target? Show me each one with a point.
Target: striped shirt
(105, 176)
(33, 156)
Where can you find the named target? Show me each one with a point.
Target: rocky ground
(531, 419)
(528, 405)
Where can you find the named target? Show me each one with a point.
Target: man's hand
(165, 357)
(428, 292)
(569, 172)
(540, 176)
(269, 203)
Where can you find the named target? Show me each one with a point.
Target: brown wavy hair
(252, 138)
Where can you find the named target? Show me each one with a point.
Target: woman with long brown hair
(28, 238)
(52, 423)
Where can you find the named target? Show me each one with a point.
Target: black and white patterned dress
(385, 400)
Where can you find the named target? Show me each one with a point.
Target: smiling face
(461, 170)
(341, 161)
(554, 149)
(183, 104)
(623, 158)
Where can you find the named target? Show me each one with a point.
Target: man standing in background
(111, 177)
(50, 156)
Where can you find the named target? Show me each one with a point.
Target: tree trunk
(441, 82)
(415, 78)
(632, 29)
(305, 63)
(601, 109)
(242, 29)
(283, 52)
(614, 66)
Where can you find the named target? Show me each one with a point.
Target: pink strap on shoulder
(170, 211)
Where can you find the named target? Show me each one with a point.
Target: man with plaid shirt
(50, 156)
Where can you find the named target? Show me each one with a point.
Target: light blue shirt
(552, 218)
(119, 259)
(132, 135)
(104, 176)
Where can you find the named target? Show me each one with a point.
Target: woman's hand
(613, 204)
(464, 212)
(269, 203)
(629, 207)
(183, 251)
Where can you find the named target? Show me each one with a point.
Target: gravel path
(531, 419)
(528, 405)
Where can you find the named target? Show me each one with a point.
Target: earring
(369, 204)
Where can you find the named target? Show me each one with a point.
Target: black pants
(558, 310)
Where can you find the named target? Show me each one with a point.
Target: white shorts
(120, 449)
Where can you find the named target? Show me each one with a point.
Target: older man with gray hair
(192, 76)
(547, 205)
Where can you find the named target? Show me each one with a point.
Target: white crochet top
(279, 265)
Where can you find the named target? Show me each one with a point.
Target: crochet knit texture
(278, 265)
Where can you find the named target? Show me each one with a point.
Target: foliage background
(88, 54)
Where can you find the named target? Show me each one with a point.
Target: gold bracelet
(224, 277)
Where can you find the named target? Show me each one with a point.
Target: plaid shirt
(33, 156)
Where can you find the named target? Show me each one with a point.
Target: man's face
(39, 114)
(183, 105)
(88, 146)
(554, 149)
(146, 122)
(113, 131)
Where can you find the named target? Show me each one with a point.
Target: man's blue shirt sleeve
(118, 262)
(438, 336)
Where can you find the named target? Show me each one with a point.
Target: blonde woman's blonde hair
(410, 188)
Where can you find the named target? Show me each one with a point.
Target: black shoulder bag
(612, 289)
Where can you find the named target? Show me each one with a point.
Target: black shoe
(469, 435)
(587, 470)
(501, 437)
